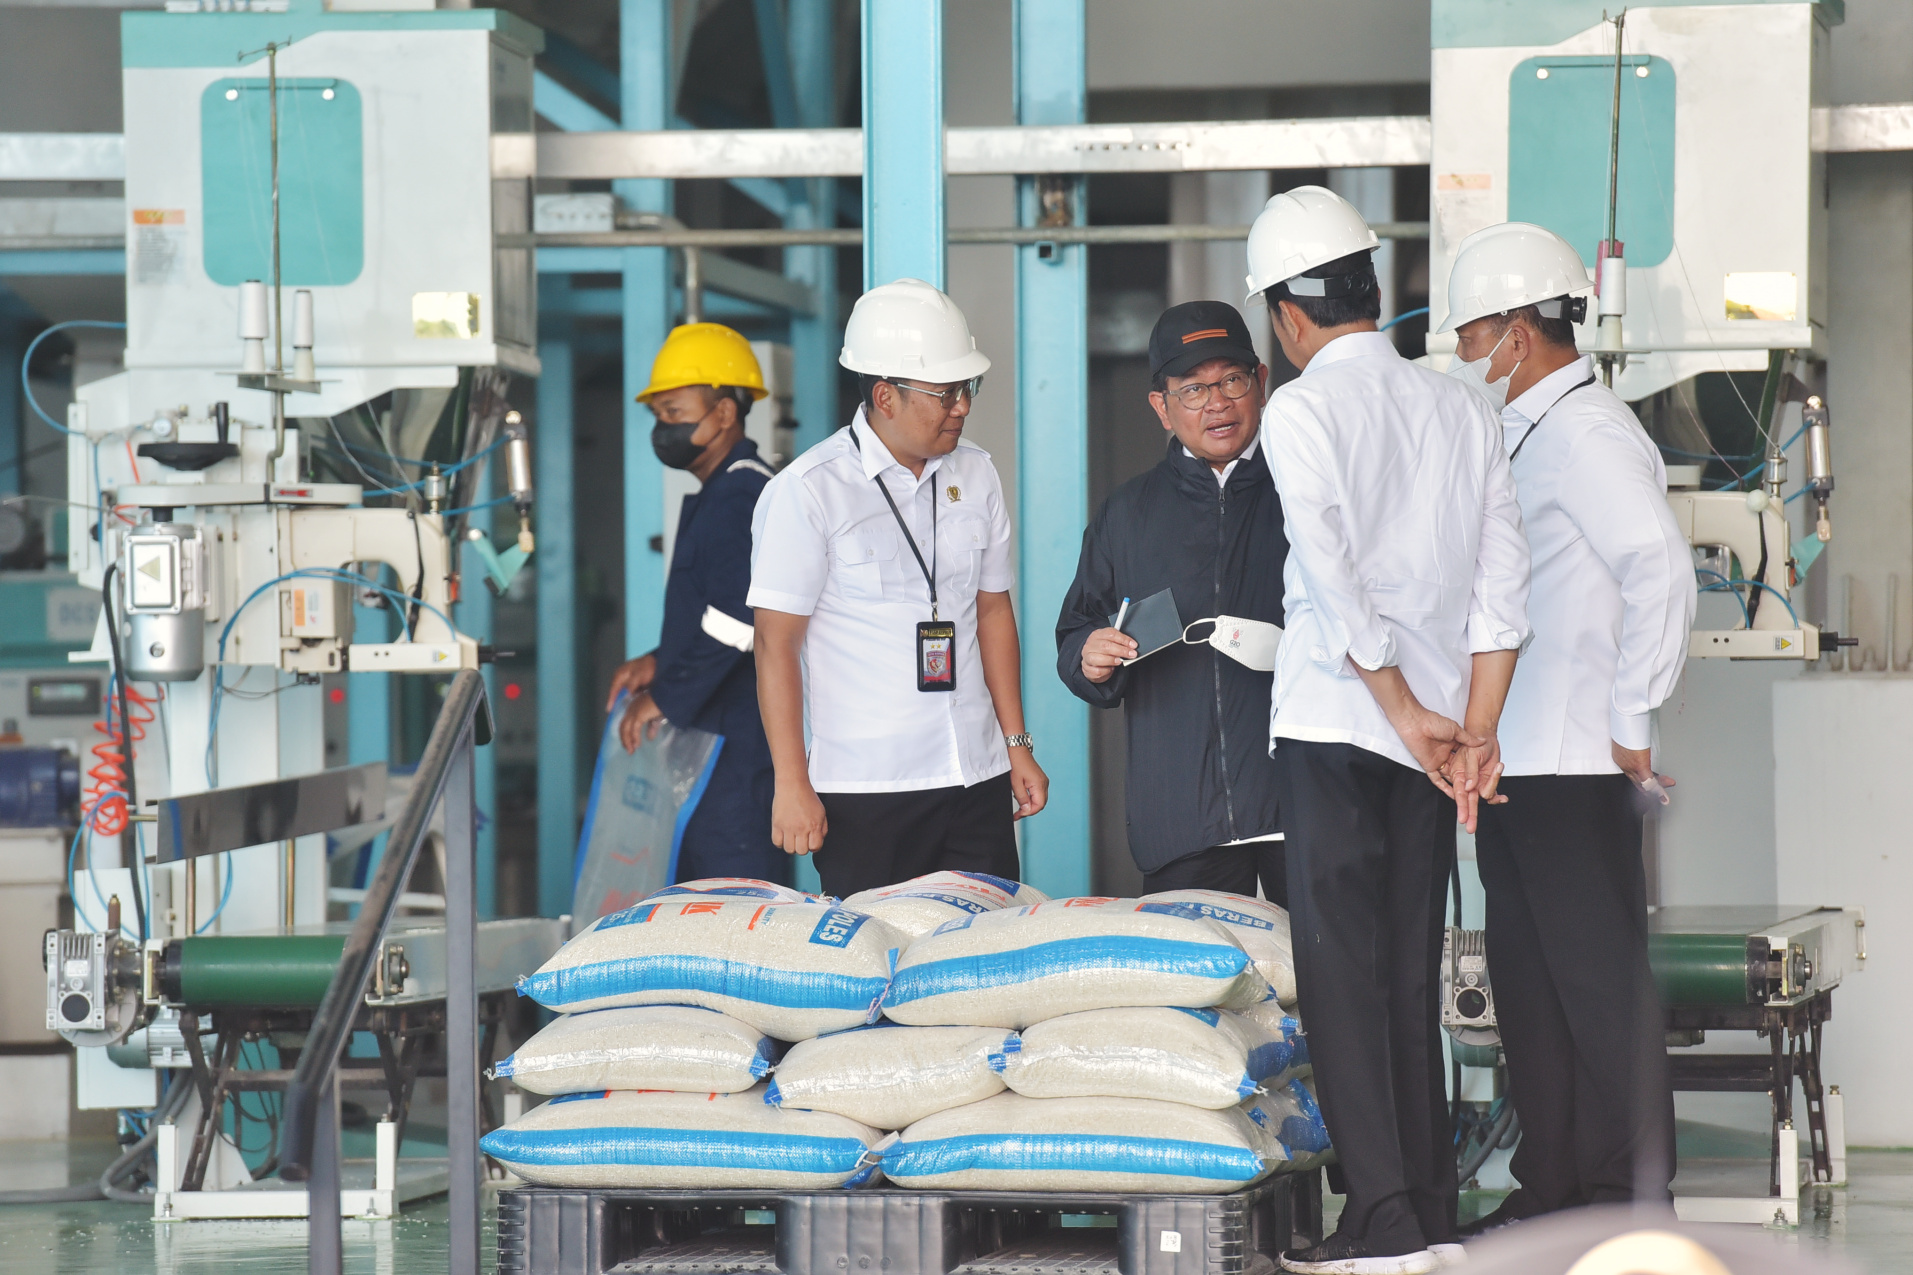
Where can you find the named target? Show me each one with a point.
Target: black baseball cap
(1190, 334)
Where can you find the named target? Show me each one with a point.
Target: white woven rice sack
(641, 1047)
(791, 970)
(1204, 1057)
(1013, 1143)
(739, 888)
(1290, 1121)
(888, 1076)
(1262, 927)
(1020, 966)
(690, 1140)
(1285, 1027)
(923, 903)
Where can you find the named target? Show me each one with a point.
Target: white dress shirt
(1405, 544)
(1613, 593)
(825, 544)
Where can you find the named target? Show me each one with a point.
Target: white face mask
(1250, 643)
(1475, 373)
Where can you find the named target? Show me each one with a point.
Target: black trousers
(880, 838)
(1579, 1016)
(1232, 869)
(1370, 845)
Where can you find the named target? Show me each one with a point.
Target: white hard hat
(1301, 229)
(910, 329)
(1515, 264)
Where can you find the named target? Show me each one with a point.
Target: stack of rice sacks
(1027, 1044)
(1151, 1052)
(674, 1011)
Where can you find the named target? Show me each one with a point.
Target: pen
(1121, 613)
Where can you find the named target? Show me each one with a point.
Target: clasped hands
(1465, 764)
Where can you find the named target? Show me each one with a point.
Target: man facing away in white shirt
(1612, 602)
(880, 587)
(1406, 591)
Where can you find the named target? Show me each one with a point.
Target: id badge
(936, 655)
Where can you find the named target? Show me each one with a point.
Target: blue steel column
(474, 616)
(556, 563)
(1052, 447)
(814, 339)
(903, 140)
(644, 85)
(13, 447)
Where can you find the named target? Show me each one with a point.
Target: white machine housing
(1727, 264)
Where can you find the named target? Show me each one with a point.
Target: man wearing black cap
(1205, 523)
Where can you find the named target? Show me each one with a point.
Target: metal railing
(310, 1150)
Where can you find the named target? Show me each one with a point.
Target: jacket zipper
(1215, 657)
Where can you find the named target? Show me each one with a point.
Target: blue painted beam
(13, 347)
(646, 96)
(556, 569)
(25, 261)
(1052, 447)
(583, 69)
(566, 109)
(903, 202)
(608, 303)
(816, 339)
(773, 47)
(572, 113)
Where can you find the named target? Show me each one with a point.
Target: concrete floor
(1869, 1223)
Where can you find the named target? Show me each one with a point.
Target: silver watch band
(1019, 741)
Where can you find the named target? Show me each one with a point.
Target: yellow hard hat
(705, 354)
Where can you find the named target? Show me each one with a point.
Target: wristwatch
(1019, 741)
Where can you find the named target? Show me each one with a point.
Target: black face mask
(672, 443)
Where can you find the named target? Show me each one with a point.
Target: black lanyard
(929, 572)
(1544, 416)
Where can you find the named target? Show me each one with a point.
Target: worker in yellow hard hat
(702, 674)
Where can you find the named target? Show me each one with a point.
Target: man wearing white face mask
(1611, 602)
(1205, 523)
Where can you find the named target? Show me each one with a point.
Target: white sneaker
(1340, 1254)
(1447, 1255)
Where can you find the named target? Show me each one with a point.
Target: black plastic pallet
(575, 1231)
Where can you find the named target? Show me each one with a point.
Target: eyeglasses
(1233, 386)
(950, 397)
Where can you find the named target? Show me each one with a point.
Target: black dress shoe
(1343, 1254)
(1503, 1216)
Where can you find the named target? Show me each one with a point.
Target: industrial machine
(206, 1007)
(1767, 970)
(329, 287)
(1772, 971)
(1625, 136)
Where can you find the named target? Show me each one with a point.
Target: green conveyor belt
(1699, 969)
(256, 970)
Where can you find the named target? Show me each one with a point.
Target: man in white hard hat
(880, 579)
(1406, 590)
(1612, 601)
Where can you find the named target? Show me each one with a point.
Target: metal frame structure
(309, 1150)
(1792, 1033)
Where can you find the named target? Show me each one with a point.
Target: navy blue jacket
(702, 682)
(1199, 772)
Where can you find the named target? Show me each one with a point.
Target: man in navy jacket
(1205, 523)
(702, 674)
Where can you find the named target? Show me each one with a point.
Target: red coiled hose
(108, 778)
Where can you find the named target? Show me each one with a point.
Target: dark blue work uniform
(711, 684)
